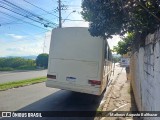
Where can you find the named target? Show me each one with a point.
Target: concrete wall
(145, 75)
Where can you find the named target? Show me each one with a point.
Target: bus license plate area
(71, 79)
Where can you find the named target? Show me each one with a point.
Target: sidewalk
(119, 96)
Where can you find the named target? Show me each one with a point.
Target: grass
(18, 68)
(99, 109)
(26, 68)
(16, 84)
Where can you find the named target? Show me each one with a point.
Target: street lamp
(68, 16)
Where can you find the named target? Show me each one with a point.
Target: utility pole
(60, 18)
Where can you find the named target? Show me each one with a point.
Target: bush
(25, 67)
(17, 63)
(6, 69)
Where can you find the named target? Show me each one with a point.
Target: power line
(40, 8)
(8, 22)
(61, 7)
(32, 14)
(22, 20)
(11, 22)
(72, 20)
(24, 16)
(76, 6)
(68, 16)
(46, 30)
(29, 14)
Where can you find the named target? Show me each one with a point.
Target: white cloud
(22, 50)
(16, 36)
(24, 47)
(15, 49)
(2, 40)
(20, 44)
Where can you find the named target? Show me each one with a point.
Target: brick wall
(145, 75)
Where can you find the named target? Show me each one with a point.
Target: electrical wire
(28, 15)
(40, 8)
(72, 20)
(25, 16)
(26, 11)
(22, 20)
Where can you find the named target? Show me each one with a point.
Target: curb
(107, 95)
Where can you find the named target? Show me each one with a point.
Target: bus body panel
(76, 60)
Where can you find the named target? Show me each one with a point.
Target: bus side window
(108, 55)
(106, 52)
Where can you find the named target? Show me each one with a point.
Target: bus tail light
(94, 82)
(51, 76)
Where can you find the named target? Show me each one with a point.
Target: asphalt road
(15, 76)
(40, 98)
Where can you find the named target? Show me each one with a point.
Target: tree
(112, 17)
(42, 60)
(124, 46)
(116, 59)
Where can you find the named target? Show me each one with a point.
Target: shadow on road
(64, 101)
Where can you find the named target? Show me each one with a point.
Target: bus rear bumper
(94, 90)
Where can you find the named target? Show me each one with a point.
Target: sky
(20, 36)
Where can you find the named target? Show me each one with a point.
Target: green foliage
(116, 59)
(124, 46)
(42, 60)
(105, 18)
(7, 64)
(6, 69)
(112, 17)
(26, 67)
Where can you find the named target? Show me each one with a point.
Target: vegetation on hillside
(18, 63)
